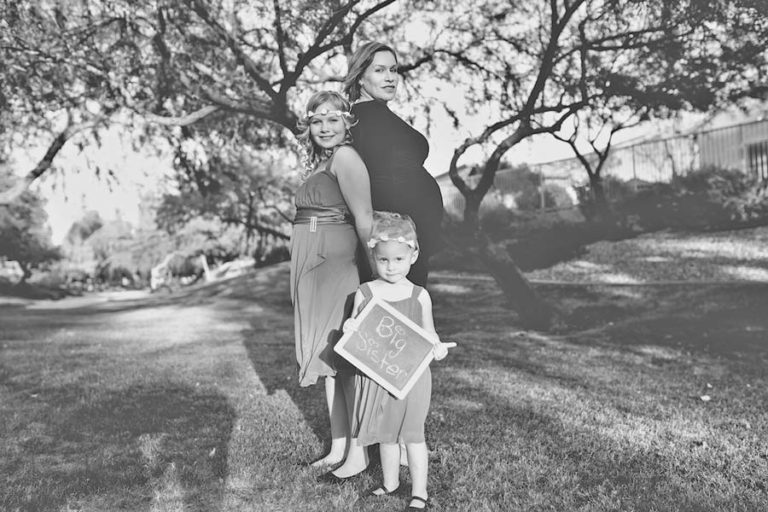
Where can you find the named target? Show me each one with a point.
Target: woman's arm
(355, 187)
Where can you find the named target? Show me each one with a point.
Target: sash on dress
(315, 216)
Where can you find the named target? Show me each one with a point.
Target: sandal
(425, 501)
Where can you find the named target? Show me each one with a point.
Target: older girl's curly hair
(312, 152)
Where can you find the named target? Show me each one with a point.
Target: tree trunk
(26, 273)
(472, 212)
(600, 209)
(598, 191)
(534, 312)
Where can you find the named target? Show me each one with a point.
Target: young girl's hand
(440, 350)
(350, 324)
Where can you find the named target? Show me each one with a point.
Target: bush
(495, 215)
(556, 196)
(710, 198)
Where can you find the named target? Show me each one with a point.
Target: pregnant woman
(393, 151)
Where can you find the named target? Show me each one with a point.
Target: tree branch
(318, 48)
(184, 120)
(45, 163)
(251, 68)
(280, 37)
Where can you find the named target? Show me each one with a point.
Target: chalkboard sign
(388, 347)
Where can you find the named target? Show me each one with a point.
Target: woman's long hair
(312, 152)
(358, 63)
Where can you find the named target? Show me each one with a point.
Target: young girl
(333, 214)
(379, 416)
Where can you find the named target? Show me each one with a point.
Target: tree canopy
(545, 62)
(216, 71)
(74, 66)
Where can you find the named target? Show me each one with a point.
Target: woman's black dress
(394, 153)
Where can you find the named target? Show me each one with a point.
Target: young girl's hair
(313, 152)
(389, 226)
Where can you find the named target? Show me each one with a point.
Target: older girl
(333, 213)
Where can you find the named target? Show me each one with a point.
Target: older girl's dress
(324, 275)
(379, 417)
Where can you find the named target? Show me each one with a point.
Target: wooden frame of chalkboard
(388, 347)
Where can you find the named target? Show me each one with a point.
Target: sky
(75, 188)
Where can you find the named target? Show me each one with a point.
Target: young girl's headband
(385, 238)
(326, 112)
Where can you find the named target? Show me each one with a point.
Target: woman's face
(327, 127)
(379, 82)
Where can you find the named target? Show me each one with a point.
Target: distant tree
(710, 59)
(225, 179)
(544, 62)
(596, 126)
(541, 63)
(24, 234)
(81, 229)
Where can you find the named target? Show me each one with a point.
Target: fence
(742, 146)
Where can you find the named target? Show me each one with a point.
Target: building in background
(729, 140)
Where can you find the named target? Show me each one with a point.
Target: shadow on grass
(727, 320)
(163, 441)
(505, 454)
(269, 343)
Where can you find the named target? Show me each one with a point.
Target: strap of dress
(416, 291)
(365, 289)
(330, 162)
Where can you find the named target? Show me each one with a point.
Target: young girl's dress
(324, 274)
(379, 417)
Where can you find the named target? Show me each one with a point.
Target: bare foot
(356, 462)
(346, 471)
(329, 460)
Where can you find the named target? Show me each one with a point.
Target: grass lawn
(648, 398)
